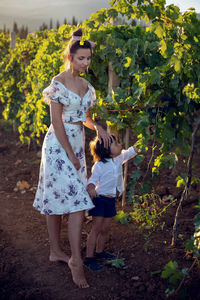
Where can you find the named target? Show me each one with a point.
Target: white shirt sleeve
(94, 178)
(127, 154)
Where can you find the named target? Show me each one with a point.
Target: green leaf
(181, 180)
(175, 278)
(145, 188)
(197, 223)
(117, 263)
(163, 48)
(112, 13)
(155, 76)
(136, 174)
(122, 217)
(169, 291)
(138, 159)
(159, 31)
(156, 272)
(176, 63)
(189, 245)
(169, 269)
(185, 272)
(128, 62)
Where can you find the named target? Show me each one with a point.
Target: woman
(62, 180)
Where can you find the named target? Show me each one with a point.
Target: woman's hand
(91, 190)
(103, 135)
(75, 161)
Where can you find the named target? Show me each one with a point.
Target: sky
(34, 12)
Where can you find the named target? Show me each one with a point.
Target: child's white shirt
(107, 177)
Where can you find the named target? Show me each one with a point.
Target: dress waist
(74, 123)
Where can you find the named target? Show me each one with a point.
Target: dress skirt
(61, 188)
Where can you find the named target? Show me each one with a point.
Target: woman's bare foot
(58, 256)
(78, 274)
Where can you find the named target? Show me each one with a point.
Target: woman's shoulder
(55, 91)
(59, 77)
(55, 87)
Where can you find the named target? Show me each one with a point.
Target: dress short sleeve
(92, 94)
(55, 93)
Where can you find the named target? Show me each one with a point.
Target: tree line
(23, 31)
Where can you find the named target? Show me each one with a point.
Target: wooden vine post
(12, 46)
(12, 40)
(113, 83)
(125, 168)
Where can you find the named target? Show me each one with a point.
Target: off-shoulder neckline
(73, 91)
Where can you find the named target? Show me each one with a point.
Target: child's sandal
(104, 255)
(92, 264)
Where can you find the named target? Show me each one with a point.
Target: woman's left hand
(104, 136)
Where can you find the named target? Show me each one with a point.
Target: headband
(78, 38)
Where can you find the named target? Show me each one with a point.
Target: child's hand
(91, 190)
(135, 147)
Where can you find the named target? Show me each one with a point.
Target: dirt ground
(26, 272)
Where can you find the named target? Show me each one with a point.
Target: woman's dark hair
(98, 150)
(74, 45)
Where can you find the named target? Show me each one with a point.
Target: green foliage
(181, 180)
(122, 217)
(117, 263)
(46, 64)
(174, 275)
(193, 244)
(164, 161)
(146, 212)
(170, 271)
(136, 174)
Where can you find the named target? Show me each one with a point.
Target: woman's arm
(56, 120)
(101, 133)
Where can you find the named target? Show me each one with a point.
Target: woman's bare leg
(75, 262)
(54, 228)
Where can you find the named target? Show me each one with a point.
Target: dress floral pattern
(61, 188)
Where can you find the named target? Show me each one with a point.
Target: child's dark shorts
(104, 207)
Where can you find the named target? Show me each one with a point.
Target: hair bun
(77, 32)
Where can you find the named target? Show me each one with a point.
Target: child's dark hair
(98, 150)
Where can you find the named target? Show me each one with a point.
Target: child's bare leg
(101, 239)
(54, 227)
(97, 223)
(75, 262)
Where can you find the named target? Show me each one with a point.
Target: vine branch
(182, 281)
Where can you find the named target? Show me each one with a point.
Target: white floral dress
(61, 188)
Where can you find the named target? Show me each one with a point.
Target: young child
(104, 184)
